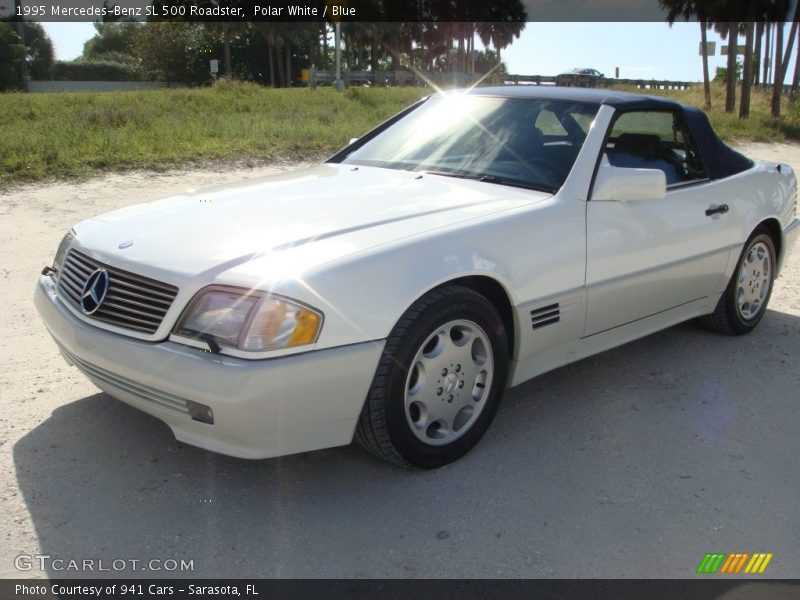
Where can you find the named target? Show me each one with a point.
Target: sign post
(740, 48)
(337, 42)
(214, 68)
(711, 48)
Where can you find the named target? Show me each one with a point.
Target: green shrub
(100, 70)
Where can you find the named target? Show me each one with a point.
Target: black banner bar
(393, 589)
(397, 11)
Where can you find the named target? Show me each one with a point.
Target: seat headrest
(640, 144)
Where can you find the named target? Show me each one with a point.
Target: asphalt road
(633, 463)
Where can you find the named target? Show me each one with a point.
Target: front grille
(132, 301)
(111, 383)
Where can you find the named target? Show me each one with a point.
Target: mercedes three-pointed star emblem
(94, 291)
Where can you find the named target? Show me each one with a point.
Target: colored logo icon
(735, 563)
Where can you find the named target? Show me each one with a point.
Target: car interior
(649, 146)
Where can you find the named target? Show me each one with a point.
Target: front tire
(744, 302)
(439, 381)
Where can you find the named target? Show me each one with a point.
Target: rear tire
(439, 382)
(744, 302)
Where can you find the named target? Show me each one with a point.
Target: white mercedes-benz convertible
(473, 241)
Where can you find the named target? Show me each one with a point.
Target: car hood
(311, 216)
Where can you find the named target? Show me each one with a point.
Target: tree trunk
(394, 63)
(347, 53)
(787, 54)
(271, 65)
(373, 56)
(796, 76)
(767, 52)
(747, 72)
(790, 43)
(279, 62)
(226, 46)
(777, 84)
(757, 54)
(730, 79)
(23, 64)
(472, 48)
(288, 65)
(324, 65)
(461, 54)
(706, 83)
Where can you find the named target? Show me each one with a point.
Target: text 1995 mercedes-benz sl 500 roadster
(390, 294)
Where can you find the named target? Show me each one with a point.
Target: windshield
(515, 141)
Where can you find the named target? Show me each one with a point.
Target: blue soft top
(720, 160)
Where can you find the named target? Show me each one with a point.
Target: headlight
(62, 250)
(249, 321)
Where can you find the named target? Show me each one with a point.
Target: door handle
(717, 210)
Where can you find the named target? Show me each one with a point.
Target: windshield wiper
(455, 174)
(494, 179)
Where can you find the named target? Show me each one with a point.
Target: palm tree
(779, 11)
(796, 76)
(780, 75)
(747, 71)
(728, 16)
(273, 36)
(500, 34)
(688, 9)
(777, 84)
(704, 47)
(226, 31)
(767, 51)
(730, 30)
(792, 33)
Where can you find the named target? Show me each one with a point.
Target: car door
(646, 257)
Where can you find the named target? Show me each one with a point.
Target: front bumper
(261, 408)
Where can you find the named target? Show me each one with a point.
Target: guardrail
(314, 78)
(573, 80)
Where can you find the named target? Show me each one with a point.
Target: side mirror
(352, 141)
(618, 184)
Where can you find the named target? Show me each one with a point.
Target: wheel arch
(773, 226)
(496, 293)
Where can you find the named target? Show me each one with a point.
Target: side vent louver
(546, 315)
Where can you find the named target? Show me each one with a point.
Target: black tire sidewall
(466, 305)
(739, 324)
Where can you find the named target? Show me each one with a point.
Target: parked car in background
(473, 241)
(579, 78)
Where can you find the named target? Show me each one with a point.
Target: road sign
(711, 48)
(739, 49)
(214, 66)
